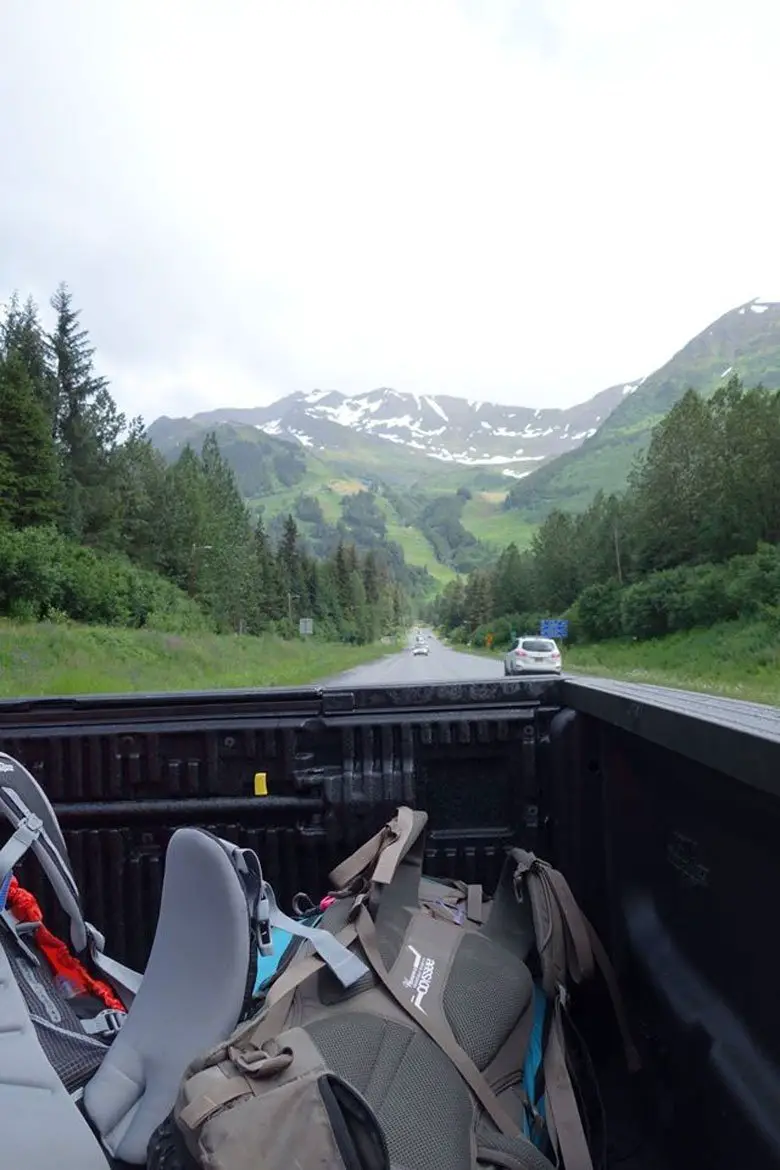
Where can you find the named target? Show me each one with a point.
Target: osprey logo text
(421, 977)
(6, 767)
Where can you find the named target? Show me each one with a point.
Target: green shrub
(697, 596)
(42, 573)
(28, 568)
(460, 635)
(754, 581)
(598, 612)
(644, 607)
(689, 597)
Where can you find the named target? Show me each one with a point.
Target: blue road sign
(554, 628)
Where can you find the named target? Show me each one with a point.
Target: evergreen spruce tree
(28, 461)
(87, 427)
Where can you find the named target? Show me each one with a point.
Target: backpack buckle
(262, 918)
(362, 899)
(18, 930)
(105, 1024)
(247, 866)
(537, 1126)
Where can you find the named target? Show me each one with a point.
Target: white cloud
(524, 201)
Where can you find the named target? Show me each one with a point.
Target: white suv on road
(531, 655)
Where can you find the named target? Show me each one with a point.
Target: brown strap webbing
(579, 956)
(408, 827)
(450, 907)
(383, 852)
(562, 1115)
(474, 910)
(342, 877)
(633, 1059)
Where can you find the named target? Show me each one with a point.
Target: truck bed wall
(676, 862)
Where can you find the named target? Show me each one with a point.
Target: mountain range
(506, 466)
(513, 439)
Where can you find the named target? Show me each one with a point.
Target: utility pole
(290, 598)
(195, 562)
(617, 555)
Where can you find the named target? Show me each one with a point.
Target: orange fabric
(26, 909)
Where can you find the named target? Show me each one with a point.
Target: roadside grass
(69, 659)
(738, 660)
(735, 660)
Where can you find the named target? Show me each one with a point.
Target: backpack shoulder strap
(32, 832)
(25, 805)
(562, 1114)
(568, 948)
(562, 940)
(14, 775)
(378, 858)
(353, 867)
(567, 944)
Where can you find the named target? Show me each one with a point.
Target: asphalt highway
(442, 664)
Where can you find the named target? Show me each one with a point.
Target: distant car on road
(420, 646)
(532, 655)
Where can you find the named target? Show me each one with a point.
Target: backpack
(448, 1054)
(110, 1050)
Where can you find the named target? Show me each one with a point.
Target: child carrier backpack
(448, 1054)
(84, 1085)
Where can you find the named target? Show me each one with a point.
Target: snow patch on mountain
(435, 406)
(759, 305)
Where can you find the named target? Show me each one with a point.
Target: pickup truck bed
(662, 809)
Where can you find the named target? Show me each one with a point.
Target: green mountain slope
(262, 463)
(744, 341)
(485, 515)
(279, 477)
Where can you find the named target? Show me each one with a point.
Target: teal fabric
(533, 1060)
(267, 965)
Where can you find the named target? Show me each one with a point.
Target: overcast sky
(523, 201)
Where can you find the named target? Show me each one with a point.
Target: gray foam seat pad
(191, 997)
